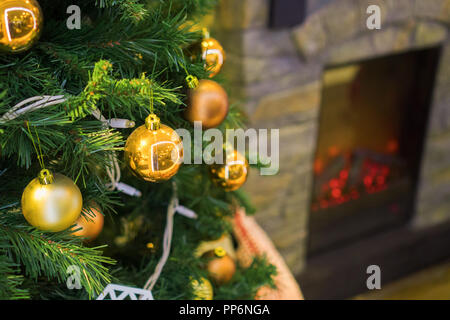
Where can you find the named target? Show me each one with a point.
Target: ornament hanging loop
(205, 33)
(152, 122)
(39, 154)
(192, 81)
(152, 104)
(220, 252)
(45, 177)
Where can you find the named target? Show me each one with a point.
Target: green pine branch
(50, 255)
(125, 53)
(132, 9)
(11, 279)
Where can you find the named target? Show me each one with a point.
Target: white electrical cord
(41, 102)
(174, 207)
(113, 170)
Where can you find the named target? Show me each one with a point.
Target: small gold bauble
(91, 226)
(208, 103)
(20, 24)
(221, 266)
(213, 55)
(202, 289)
(154, 151)
(51, 202)
(232, 174)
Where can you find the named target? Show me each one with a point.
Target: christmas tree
(71, 96)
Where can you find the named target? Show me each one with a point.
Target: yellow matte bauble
(202, 289)
(154, 151)
(232, 174)
(208, 103)
(21, 24)
(91, 225)
(213, 55)
(51, 202)
(221, 266)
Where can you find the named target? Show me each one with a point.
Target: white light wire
(113, 170)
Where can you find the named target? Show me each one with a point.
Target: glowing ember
(350, 181)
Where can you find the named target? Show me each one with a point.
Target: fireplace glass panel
(372, 124)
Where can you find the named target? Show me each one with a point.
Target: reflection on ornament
(213, 55)
(51, 202)
(232, 174)
(20, 24)
(202, 289)
(154, 151)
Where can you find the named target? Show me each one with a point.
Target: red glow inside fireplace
(370, 138)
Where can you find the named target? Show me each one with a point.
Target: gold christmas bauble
(91, 225)
(232, 174)
(202, 289)
(221, 266)
(208, 103)
(51, 202)
(213, 55)
(154, 151)
(21, 24)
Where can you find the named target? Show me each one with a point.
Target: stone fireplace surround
(277, 73)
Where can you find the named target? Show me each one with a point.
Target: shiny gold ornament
(154, 151)
(221, 266)
(91, 226)
(232, 174)
(202, 289)
(208, 103)
(51, 202)
(20, 24)
(213, 55)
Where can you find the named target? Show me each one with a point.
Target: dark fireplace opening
(371, 132)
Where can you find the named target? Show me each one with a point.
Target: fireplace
(364, 123)
(370, 140)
